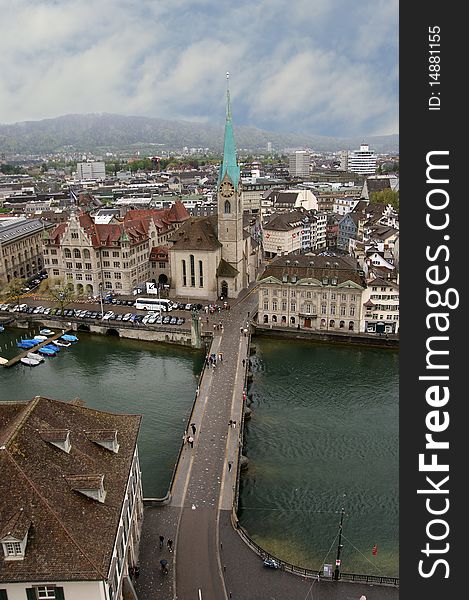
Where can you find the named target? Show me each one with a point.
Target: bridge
(210, 560)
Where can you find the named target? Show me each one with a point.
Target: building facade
(91, 170)
(21, 254)
(381, 304)
(362, 161)
(312, 293)
(298, 163)
(71, 505)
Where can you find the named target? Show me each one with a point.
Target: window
(323, 309)
(227, 207)
(74, 235)
(118, 285)
(324, 295)
(332, 295)
(274, 305)
(117, 264)
(14, 549)
(342, 311)
(162, 265)
(201, 274)
(88, 266)
(88, 277)
(55, 261)
(79, 277)
(108, 285)
(48, 592)
(107, 275)
(344, 297)
(192, 263)
(105, 253)
(117, 275)
(285, 293)
(352, 311)
(69, 265)
(67, 253)
(332, 311)
(76, 253)
(55, 272)
(308, 294)
(106, 263)
(293, 307)
(266, 305)
(284, 306)
(78, 266)
(293, 294)
(86, 253)
(265, 292)
(184, 275)
(115, 254)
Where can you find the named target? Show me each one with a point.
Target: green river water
(325, 424)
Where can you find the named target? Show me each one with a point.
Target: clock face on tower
(227, 189)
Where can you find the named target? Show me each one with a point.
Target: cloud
(326, 67)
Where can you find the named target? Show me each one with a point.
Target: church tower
(230, 209)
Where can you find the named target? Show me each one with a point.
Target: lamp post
(101, 298)
(339, 546)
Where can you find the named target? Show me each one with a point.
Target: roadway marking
(200, 594)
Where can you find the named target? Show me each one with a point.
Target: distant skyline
(328, 67)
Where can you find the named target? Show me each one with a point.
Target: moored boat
(52, 346)
(29, 361)
(40, 338)
(47, 351)
(26, 344)
(69, 338)
(46, 332)
(61, 344)
(35, 356)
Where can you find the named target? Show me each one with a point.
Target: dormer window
(107, 438)
(60, 438)
(14, 536)
(91, 486)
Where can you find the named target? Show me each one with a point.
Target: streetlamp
(101, 298)
(339, 546)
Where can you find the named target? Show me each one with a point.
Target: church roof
(226, 270)
(198, 233)
(229, 165)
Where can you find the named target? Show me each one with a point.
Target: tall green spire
(229, 164)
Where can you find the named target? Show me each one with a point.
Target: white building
(362, 161)
(381, 304)
(91, 170)
(71, 504)
(344, 205)
(299, 163)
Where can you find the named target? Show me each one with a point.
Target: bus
(155, 304)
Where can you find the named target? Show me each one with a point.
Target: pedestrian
(230, 464)
(190, 439)
(249, 314)
(164, 565)
(241, 330)
(161, 540)
(214, 327)
(230, 422)
(245, 332)
(197, 391)
(136, 571)
(193, 428)
(234, 424)
(244, 362)
(170, 545)
(207, 320)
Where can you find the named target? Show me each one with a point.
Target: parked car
(108, 315)
(158, 320)
(47, 310)
(145, 319)
(166, 320)
(126, 317)
(271, 563)
(119, 317)
(188, 306)
(152, 319)
(173, 320)
(138, 318)
(181, 320)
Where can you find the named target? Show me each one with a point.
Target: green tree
(13, 290)
(59, 292)
(386, 196)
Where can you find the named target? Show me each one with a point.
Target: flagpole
(339, 546)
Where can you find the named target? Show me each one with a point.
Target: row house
(71, 501)
(313, 293)
(295, 231)
(21, 254)
(381, 304)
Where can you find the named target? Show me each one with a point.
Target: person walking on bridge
(193, 427)
(190, 439)
(161, 541)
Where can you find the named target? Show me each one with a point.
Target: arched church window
(227, 207)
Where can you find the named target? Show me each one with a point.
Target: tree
(13, 290)
(386, 196)
(59, 292)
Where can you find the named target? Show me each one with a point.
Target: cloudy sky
(328, 67)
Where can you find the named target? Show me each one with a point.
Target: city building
(312, 292)
(114, 257)
(215, 256)
(91, 170)
(381, 304)
(298, 163)
(71, 504)
(21, 253)
(362, 161)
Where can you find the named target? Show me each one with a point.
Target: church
(214, 257)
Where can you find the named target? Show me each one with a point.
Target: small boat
(29, 361)
(61, 344)
(27, 344)
(3, 361)
(69, 338)
(46, 332)
(40, 338)
(35, 356)
(2, 328)
(47, 351)
(52, 347)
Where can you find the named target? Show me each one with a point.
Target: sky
(328, 67)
